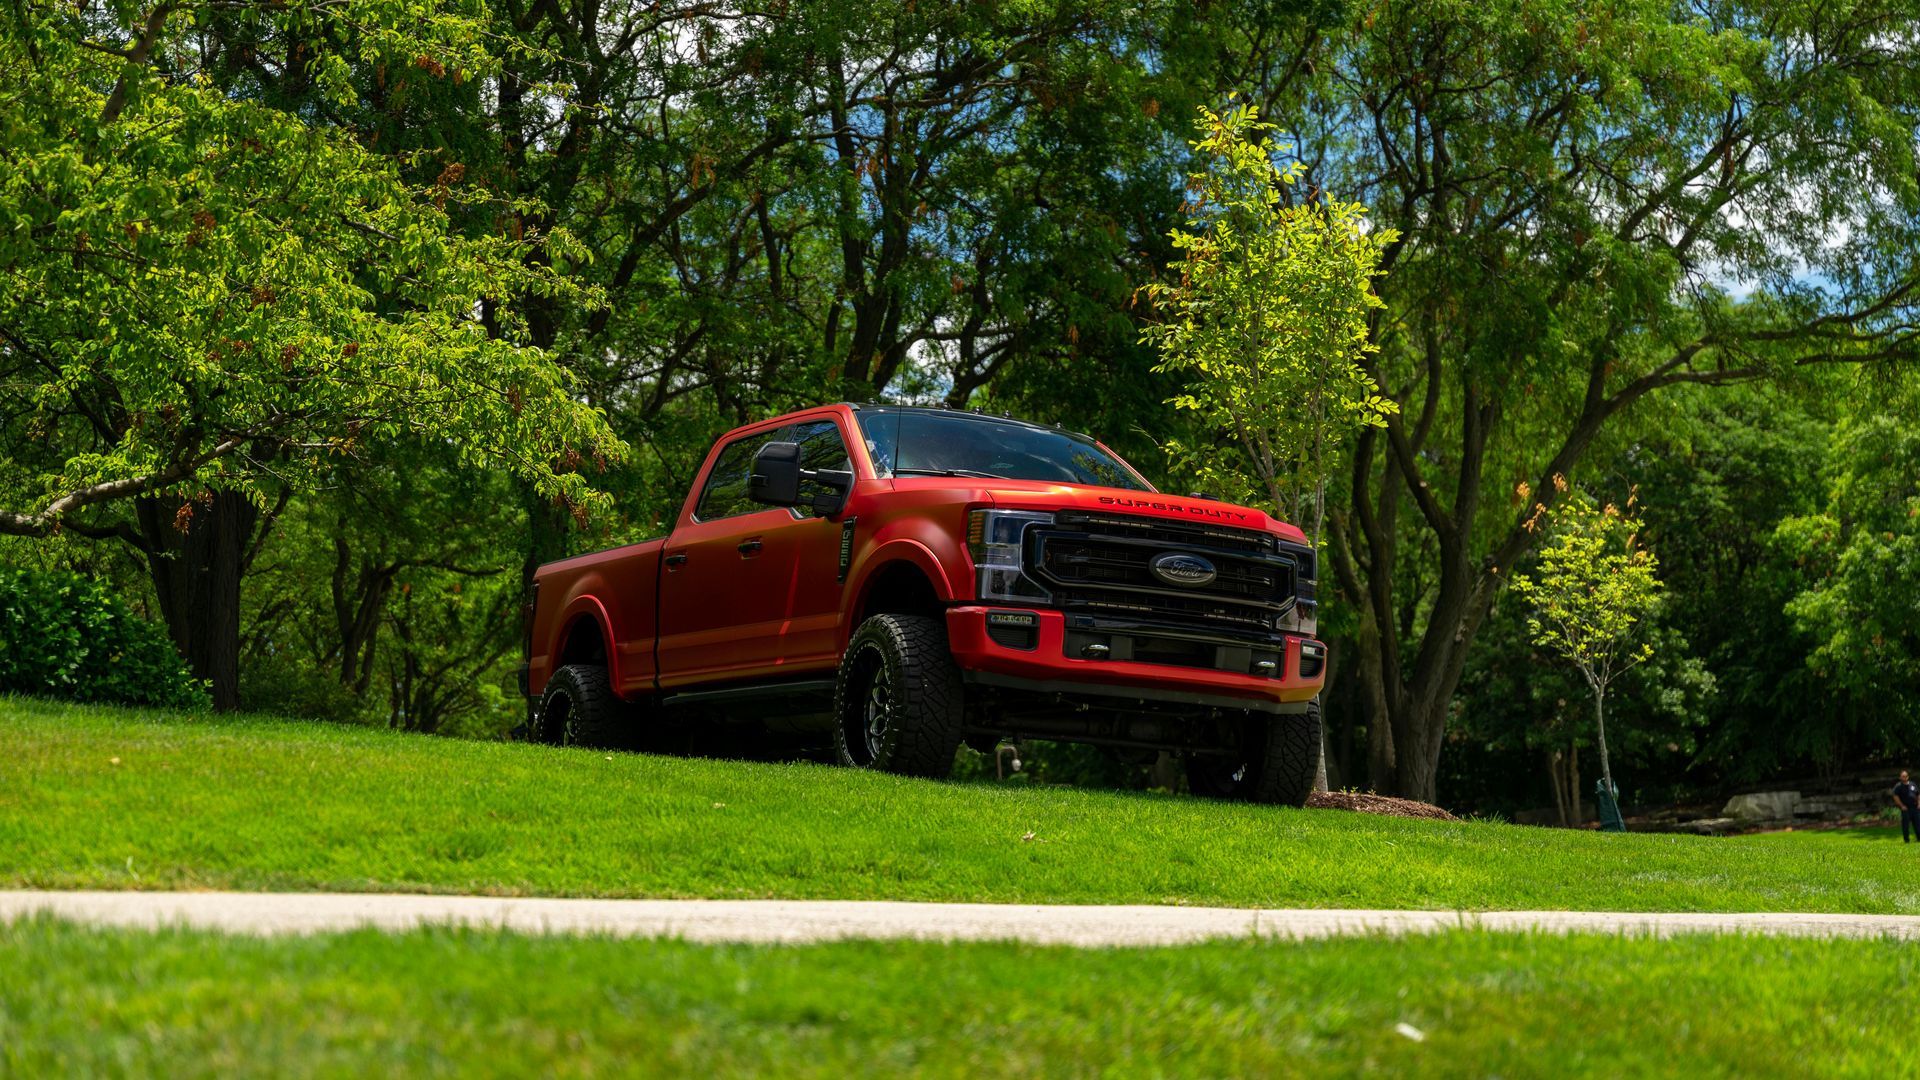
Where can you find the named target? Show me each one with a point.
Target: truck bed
(574, 598)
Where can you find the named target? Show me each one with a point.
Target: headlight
(1300, 619)
(995, 539)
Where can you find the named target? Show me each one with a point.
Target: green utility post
(1605, 800)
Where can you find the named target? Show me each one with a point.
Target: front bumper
(1051, 665)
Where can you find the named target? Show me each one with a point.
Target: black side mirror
(839, 483)
(776, 475)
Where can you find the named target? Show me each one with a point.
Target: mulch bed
(1377, 804)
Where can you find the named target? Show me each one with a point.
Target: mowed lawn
(119, 799)
(468, 1003)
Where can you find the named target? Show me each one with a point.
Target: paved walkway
(792, 921)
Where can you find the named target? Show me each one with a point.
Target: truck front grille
(1104, 564)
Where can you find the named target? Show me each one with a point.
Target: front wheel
(1271, 759)
(897, 703)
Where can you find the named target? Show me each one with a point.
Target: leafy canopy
(199, 291)
(1590, 588)
(1267, 320)
(1859, 561)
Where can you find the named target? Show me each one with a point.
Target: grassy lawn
(102, 798)
(475, 1003)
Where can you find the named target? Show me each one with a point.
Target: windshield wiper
(950, 472)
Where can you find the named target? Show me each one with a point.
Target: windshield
(908, 442)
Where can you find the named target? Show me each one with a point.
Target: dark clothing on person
(1908, 796)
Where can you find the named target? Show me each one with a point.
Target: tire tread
(930, 719)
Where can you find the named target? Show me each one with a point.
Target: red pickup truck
(913, 579)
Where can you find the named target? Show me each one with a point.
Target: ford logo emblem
(1179, 568)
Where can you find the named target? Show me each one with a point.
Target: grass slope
(100, 798)
(445, 1002)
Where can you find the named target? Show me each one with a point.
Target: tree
(1857, 562)
(1267, 321)
(1596, 203)
(1592, 584)
(1524, 727)
(204, 299)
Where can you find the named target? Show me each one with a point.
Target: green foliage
(1858, 559)
(1599, 204)
(392, 596)
(199, 291)
(287, 684)
(67, 636)
(1717, 473)
(1591, 585)
(1268, 320)
(1523, 726)
(419, 267)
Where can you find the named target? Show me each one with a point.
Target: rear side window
(726, 491)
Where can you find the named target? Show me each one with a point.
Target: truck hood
(1044, 495)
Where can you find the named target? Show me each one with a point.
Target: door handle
(676, 561)
(749, 547)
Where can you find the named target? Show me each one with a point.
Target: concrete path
(794, 921)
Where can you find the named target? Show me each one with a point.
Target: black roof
(942, 410)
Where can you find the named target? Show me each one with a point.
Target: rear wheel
(580, 708)
(897, 704)
(1272, 759)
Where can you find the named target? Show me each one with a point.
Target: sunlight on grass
(103, 798)
(466, 1003)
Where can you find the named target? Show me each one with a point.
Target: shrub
(277, 684)
(63, 635)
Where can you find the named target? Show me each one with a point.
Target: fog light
(1313, 657)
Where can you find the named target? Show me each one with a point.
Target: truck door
(725, 576)
(811, 637)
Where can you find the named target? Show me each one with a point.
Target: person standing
(1907, 798)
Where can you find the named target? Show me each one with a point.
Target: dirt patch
(1377, 804)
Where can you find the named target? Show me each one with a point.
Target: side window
(726, 491)
(821, 447)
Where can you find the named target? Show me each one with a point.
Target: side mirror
(840, 484)
(776, 475)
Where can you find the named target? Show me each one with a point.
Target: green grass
(99, 798)
(466, 1003)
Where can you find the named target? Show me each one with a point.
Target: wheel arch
(902, 578)
(584, 637)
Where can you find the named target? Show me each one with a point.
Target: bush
(67, 636)
(279, 685)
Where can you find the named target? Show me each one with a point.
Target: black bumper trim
(1072, 687)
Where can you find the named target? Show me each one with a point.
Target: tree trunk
(196, 554)
(1600, 722)
(1559, 784)
(1573, 785)
(1373, 695)
(546, 535)
(1321, 779)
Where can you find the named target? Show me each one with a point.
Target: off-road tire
(920, 698)
(1274, 760)
(580, 708)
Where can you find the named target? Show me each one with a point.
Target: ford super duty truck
(909, 580)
